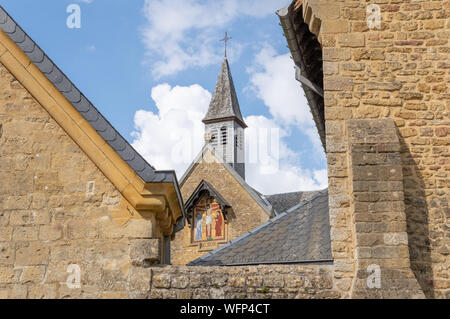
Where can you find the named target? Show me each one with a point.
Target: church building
(220, 206)
(84, 215)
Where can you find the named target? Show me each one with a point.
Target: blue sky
(151, 66)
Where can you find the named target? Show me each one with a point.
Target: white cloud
(180, 34)
(284, 175)
(91, 48)
(272, 79)
(172, 137)
(289, 178)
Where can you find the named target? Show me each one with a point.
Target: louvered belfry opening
(223, 134)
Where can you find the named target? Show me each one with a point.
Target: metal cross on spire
(226, 39)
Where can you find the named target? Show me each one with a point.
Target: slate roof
(282, 202)
(142, 168)
(299, 235)
(224, 102)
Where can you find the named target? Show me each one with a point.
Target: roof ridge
(82, 104)
(306, 202)
(46, 65)
(296, 192)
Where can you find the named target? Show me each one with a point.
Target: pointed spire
(224, 103)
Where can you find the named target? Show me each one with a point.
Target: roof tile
(26, 45)
(37, 55)
(283, 202)
(302, 235)
(86, 109)
(55, 76)
(9, 25)
(73, 95)
(3, 17)
(18, 36)
(46, 66)
(83, 105)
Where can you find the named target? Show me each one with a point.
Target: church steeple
(224, 124)
(224, 103)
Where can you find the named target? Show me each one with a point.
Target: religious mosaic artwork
(208, 221)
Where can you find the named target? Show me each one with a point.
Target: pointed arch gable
(205, 188)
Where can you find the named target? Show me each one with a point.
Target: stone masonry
(57, 209)
(377, 202)
(398, 71)
(248, 282)
(386, 117)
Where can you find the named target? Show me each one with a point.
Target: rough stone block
(6, 275)
(369, 239)
(140, 279)
(6, 253)
(33, 253)
(395, 239)
(217, 293)
(353, 40)
(342, 265)
(81, 229)
(237, 282)
(28, 218)
(338, 84)
(145, 250)
(293, 281)
(180, 282)
(330, 68)
(25, 233)
(254, 281)
(336, 54)
(351, 66)
(274, 281)
(134, 228)
(50, 232)
(161, 281)
(33, 274)
(6, 233)
(4, 218)
(335, 26)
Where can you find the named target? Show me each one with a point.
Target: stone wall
(245, 282)
(378, 212)
(57, 209)
(397, 71)
(246, 213)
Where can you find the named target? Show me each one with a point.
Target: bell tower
(224, 125)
